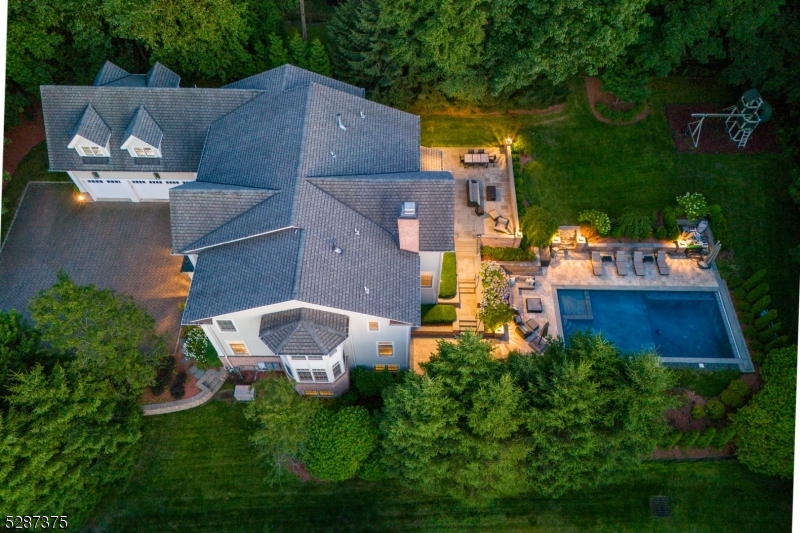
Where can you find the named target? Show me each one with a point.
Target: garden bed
(597, 96)
(448, 287)
(438, 314)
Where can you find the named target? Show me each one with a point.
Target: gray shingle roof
(131, 80)
(144, 128)
(91, 127)
(161, 76)
(197, 209)
(243, 275)
(275, 139)
(184, 115)
(109, 72)
(377, 197)
(286, 77)
(430, 159)
(303, 331)
(371, 258)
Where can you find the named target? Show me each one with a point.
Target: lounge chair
(638, 263)
(537, 343)
(661, 261)
(493, 214)
(597, 264)
(501, 225)
(622, 265)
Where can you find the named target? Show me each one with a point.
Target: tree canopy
(765, 426)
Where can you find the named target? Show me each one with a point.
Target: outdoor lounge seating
(501, 225)
(533, 305)
(622, 264)
(473, 193)
(597, 264)
(493, 214)
(537, 343)
(638, 263)
(661, 261)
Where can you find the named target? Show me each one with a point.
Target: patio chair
(470, 151)
(597, 264)
(493, 158)
(622, 265)
(493, 214)
(638, 263)
(480, 150)
(501, 225)
(661, 261)
(461, 158)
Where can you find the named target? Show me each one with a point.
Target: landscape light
(80, 198)
(509, 141)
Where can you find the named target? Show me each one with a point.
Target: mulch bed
(190, 386)
(23, 137)
(714, 137)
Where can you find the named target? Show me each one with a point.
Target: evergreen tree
(278, 55)
(455, 430)
(318, 60)
(298, 49)
(593, 413)
(20, 349)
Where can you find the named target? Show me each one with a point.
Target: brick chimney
(408, 227)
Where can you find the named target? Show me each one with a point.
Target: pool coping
(741, 357)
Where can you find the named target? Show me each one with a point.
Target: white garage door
(153, 189)
(107, 189)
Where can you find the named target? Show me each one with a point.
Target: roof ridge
(362, 215)
(302, 151)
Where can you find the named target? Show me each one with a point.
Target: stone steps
(466, 287)
(211, 381)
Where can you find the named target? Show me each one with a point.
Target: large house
(311, 221)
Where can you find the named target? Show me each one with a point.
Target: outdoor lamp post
(509, 141)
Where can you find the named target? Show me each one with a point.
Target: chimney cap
(408, 210)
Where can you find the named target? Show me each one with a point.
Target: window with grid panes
(226, 325)
(304, 375)
(320, 375)
(238, 348)
(385, 349)
(337, 370)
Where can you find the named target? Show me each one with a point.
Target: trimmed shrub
(693, 205)
(758, 293)
(448, 287)
(158, 389)
(722, 437)
(761, 304)
(740, 387)
(764, 322)
(715, 409)
(177, 391)
(671, 223)
(780, 342)
(740, 294)
(757, 357)
(719, 225)
(671, 439)
(635, 225)
(661, 233)
(618, 116)
(433, 314)
(507, 254)
(755, 280)
(768, 334)
(732, 398)
(339, 442)
(698, 412)
(688, 439)
(742, 306)
(373, 469)
(181, 377)
(599, 221)
(705, 438)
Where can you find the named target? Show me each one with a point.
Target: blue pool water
(675, 323)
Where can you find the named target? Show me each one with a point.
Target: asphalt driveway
(116, 245)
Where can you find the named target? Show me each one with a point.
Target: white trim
(378, 348)
(231, 343)
(376, 322)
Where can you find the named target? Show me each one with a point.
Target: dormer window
(143, 137)
(92, 151)
(144, 152)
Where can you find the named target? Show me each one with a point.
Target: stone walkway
(209, 382)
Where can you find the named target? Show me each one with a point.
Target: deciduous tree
(339, 442)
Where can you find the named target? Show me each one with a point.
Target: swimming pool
(677, 324)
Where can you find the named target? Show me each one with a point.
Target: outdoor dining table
(476, 159)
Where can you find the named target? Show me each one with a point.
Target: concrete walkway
(209, 383)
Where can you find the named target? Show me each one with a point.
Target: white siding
(134, 186)
(431, 262)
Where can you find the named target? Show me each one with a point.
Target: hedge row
(448, 287)
(506, 254)
(433, 314)
(699, 439)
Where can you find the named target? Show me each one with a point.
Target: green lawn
(33, 168)
(580, 163)
(198, 473)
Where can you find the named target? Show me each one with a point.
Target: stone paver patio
(121, 246)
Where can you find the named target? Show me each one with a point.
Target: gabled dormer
(91, 135)
(161, 76)
(143, 136)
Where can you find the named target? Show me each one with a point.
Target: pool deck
(576, 272)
